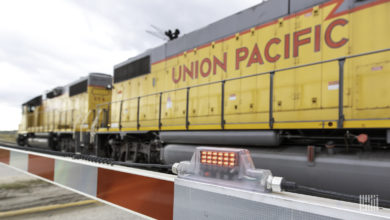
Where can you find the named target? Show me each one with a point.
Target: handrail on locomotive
(339, 59)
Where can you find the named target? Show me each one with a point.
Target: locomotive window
(31, 109)
(31, 104)
(136, 68)
(78, 88)
(50, 95)
(54, 93)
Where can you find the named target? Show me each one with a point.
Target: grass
(8, 136)
(22, 184)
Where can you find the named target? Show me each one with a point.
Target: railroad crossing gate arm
(162, 196)
(141, 192)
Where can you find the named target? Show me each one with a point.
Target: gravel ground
(87, 212)
(8, 175)
(20, 191)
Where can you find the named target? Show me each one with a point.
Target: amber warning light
(229, 167)
(218, 158)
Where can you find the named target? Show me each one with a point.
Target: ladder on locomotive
(93, 126)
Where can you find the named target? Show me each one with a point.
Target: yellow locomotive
(61, 116)
(312, 69)
(292, 80)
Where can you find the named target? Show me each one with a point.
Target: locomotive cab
(31, 119)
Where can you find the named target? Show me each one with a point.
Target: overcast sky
(48, 43)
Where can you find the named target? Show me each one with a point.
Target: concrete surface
(20, 191)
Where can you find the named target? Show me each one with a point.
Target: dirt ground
(20, 191)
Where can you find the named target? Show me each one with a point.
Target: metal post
(159, 112)
(223, 104)
(96, 145)
(271, 100)
(138, 108)
(120, 115)
(54, 120)
(341, 93)
(108, 116)
(187, 107)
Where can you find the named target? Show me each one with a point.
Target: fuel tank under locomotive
(40, 140)
(225, 138)
(57, 142)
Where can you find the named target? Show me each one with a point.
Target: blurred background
(44, 44)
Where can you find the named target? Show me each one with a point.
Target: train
(302, 84)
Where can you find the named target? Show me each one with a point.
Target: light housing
(229, 167)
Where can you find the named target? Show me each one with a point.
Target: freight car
(302, 84)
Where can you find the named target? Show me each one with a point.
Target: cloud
(10, 116)
(45, 43)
